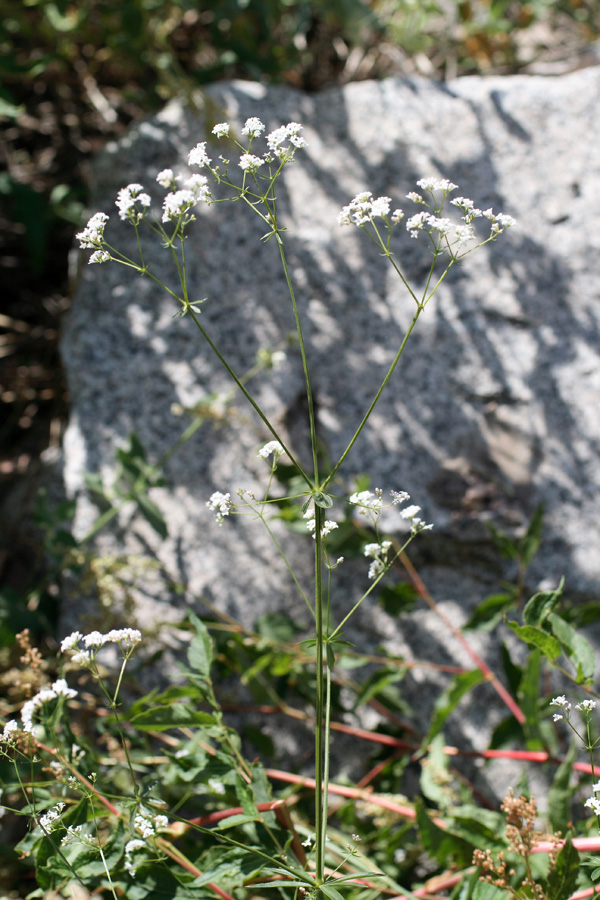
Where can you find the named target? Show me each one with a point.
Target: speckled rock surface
(494, 407)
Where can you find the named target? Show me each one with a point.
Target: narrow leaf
(535, 637)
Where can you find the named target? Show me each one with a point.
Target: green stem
(309, 395)
(375, 399)
(320, 734)
(248, 396)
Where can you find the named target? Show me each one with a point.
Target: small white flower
(217, 787)
(92, 235)
(310, 839)
(177, 204)
(74, 833)
(399, 497)
(144, 826)
(250, 163)
(220, 504)
(437, 184)
(397, 216)
(166, 178)
(99, 256)
(556, 717)
(370, 504)
(83, 658)
(586, 705)
(328, 526)
(443, 226)
(416, 223)
(48, 821)
(71, 641)
(253, 127)
(561, 701)
(130, 848)
(9, 730)
(416, 198)
(62, 689)
(132, 203)
(274, 448)
(221, 130)
(594, 804)
(94, 639)
(198, 185)
(596, 787)
(198, 156)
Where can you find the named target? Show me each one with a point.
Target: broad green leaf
(579, 651)
(489, 613)
(152, 515)
(540, 605)
(562, 881)
(200, 651)
(449, 700)
(162, 718)
(560, 793)
(440, 843)
(529, 544)
(535, 637)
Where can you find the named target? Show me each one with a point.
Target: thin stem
(249, 397)
(375, 399)
(320, 734)
(309, 395)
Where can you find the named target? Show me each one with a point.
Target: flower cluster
(281, 143)
(273, 448)
(363, 209)
(221, 505)
(370, 504)
(328, 526)
(132, 203)
(178, 202)
(46, 695)
(379, 554)
(49, 820)
(126, 638)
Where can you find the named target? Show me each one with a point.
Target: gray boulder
(492, 410)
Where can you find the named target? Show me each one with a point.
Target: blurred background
(76, 74)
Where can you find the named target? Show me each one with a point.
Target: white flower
(198, 156)
(144, 826)
(8, 733)
(176, 204)
(416, 198)
(83, 658)
(399, 497)
(62, 689)
(463, 234)
(363, 208)
(586, 705)
(328, 526)
(217, 787)
(250, 163)
(74, 833)
(198, 185)
(397, 216)
(416, 223)
(99, 256)
(370, 504)
(48, 820)
(468, 208)
(561, 701)
(253, 127)
(596, 787)
(71, 641)
(161, 822)
(220, 504)
(500, 222)
(437, 224)
(94, 639)
(92, 235)
(130, 848)
(166, 178)
(276, 140)
(378, 553)
(556, 717)
(437, 184)
(128, 636)
(593, 803)
(273, 447)
(221, 130)
(129, 200)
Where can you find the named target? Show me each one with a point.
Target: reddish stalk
(485, 670)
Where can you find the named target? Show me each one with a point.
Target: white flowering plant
(128, 825)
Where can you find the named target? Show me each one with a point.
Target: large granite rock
(494, 407)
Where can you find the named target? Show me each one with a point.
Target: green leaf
(489, 613)
(440, 843)
(200, 651)
(529, 544)
(578, 650)
(560, 793)
(162, 718)
(398, 598)
(562, 881)
(152, 514)
(449, 700)
(541, 604)
(322, 500)
(331, 892)
(537, 638)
